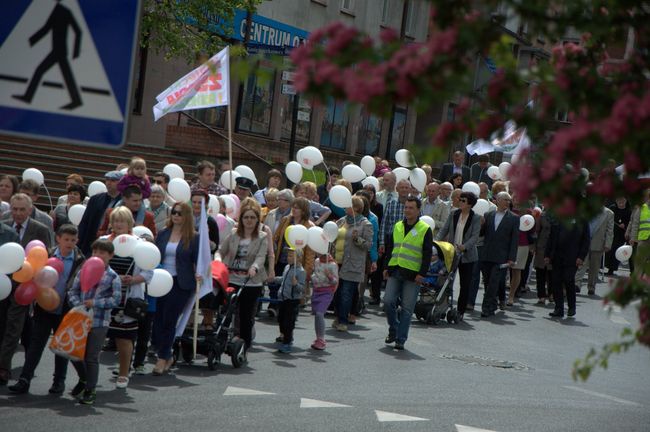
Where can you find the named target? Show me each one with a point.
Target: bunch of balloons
(317, 238)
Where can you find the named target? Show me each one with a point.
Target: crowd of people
(381, 244)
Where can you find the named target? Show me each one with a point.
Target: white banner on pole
(205, 87)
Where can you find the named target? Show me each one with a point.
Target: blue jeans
(347, 291)
(399, 322)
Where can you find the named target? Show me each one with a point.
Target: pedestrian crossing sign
(66, 69)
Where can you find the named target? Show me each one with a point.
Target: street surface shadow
(400, 355)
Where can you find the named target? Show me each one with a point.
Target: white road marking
(385, 416)
(238, 391)
(602, 395)
(461, 428)
(313, 403)
(619, 320)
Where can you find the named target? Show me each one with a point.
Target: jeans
(287, 318)
(168, 309)
(399, 322)
(346, 293)
(492, 277)
(88, 370)
(45, 323)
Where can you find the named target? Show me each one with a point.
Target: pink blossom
(388, 35)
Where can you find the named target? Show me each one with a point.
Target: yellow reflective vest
(644, 223)
(407, 247)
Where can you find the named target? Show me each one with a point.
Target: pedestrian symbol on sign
(58, 23)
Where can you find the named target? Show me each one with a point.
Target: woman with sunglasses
(244, 252)
(179, 248)
(462, 229)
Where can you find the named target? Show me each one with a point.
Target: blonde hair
(357, 205)
(122, 214)
(271, 193)
(137, 162)
(344, 182)
(310, 188)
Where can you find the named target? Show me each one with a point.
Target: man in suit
(94, 215)
(27, 229)
(434, 207)
(458, 166)
(501, 234)
(566, 249)
(601, 229)
(131, 199)
(32, 189)
(478, 171)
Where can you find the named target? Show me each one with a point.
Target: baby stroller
(435, 303)
(214, 343)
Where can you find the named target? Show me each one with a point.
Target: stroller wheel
(238, 353)
(452, 316)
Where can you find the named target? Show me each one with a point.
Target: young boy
(46, 323)
(102, 298)
(436, 268)
(292, 287)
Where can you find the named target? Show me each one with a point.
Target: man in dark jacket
(93, 217)
(566, 249)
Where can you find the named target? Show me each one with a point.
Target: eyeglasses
(176, 213)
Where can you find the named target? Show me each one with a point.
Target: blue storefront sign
(267, 32)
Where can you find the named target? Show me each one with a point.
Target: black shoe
(389, 339)
(486, 314)
(556, 314)
(399, 346)
(21, 386)
(72, 105)
(58, 387)
(460, 317)
(22, 98)
(571, 312)
(591, 292)
(78, 390)
(373, 302)
(88, 398)
(502, 305)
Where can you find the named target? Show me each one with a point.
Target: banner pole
(230, 145)
(196, 319)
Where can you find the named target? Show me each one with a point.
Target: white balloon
(371, 180)
(405, 158)
(298, 236)
(125, 245)
(585, 173)
(429, 221)
(33, 174)
(146, 255)
(231, 206)
(174, 171)
(213, 205)
(353, 173)
(526, 222)
(95, 188)
(225, 179)
(623, 253)
(401, 174)
(179, 190)
(293, 170)
(494, 173)
(245, 171)
(124, 171)
(12, 257)
(481, 207)
(418, 179)
(5, 286)
(331, 231)
(317, 240)
(303, 161)
(161, 283)
(340, 196)
(504, 168)
(368, 165)
(142, 230)
(76, 213)
(473, 188)
(311, 156)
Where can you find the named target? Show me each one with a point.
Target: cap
(434, 251)
(114, 175)
(244, 183)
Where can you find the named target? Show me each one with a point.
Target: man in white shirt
(388, 192)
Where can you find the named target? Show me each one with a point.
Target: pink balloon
(91, 273)
(221, 221)
(32, 244)
(26, 293)
(56, 264)
(235, 214)
(47, 277)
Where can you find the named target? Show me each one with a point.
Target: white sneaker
(140, 370)
(122, 382)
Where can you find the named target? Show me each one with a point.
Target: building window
(412, 13)
(141, 67)
(369, 134)
(335, 125)
(347, 6)
(397, 132)
(215, 117)
(304, 118)
(385, 9)
(256, 106)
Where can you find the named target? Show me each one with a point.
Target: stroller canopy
(446, 252)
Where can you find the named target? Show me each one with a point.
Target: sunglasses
(176, 213)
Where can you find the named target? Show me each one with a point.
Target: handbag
(136, 308)
(69, 340)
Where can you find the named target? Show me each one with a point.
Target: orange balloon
(26, 273)
(37, 257)
(48, 298)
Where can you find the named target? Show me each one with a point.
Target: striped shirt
(393, 213)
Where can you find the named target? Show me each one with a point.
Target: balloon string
(49, 196)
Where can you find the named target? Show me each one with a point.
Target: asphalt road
(509, 373)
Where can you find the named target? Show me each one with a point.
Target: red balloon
(91, 273)
(56, 264)
(26, 293)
